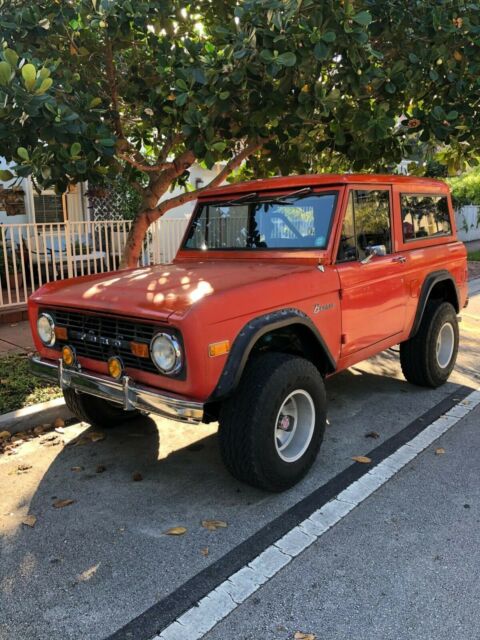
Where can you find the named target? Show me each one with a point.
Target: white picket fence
(34, 254)
(468, 223)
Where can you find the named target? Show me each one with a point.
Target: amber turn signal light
(139, 349)
(68, 356)
(218, 348)
(61, 333)
(115, 367)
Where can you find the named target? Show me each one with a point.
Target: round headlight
(46, 329)
(166, 353)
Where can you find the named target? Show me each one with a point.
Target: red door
(372, 277)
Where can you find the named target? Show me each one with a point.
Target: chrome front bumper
(124, 392)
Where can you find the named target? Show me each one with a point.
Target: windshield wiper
(239, 199)
(280, 199)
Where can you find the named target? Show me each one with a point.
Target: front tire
(96, 411)
(272, 428)
(429, 357)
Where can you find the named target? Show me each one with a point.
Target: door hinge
(340, 294)
(343, 338)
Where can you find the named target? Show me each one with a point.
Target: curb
(36, 414)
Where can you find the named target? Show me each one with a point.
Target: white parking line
(214, 607)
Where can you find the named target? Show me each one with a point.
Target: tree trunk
(134, 244)
(150, 209)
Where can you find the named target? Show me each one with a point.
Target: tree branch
(145, 167)
(183, 198)
(168, 146)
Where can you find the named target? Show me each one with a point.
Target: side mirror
(374, 250)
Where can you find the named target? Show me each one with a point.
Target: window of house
(367, 224)
(12, 201)
(48, 208)
(424, 216)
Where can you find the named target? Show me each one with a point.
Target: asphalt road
(405, 564)
(89, 568)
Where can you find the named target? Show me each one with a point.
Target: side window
(424, 216)
(367, 223)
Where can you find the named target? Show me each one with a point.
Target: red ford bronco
(278, 284)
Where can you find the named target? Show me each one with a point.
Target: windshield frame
(259, 197)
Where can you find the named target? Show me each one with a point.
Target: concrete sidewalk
(15, 338)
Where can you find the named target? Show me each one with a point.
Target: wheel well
(296, 339)
(445, 291)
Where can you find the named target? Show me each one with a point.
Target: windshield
(288, 223)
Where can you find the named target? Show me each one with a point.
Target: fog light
(115, 368)
(68, 356)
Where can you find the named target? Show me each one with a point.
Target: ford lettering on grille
(95, 339)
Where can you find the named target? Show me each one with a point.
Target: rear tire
(95, 411)
(272, 428)
(429, 357)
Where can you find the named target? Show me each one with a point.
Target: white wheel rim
(294, 425)
(445, 345)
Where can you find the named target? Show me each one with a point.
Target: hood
(161, 290)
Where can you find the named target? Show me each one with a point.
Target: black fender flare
(430, 281)
(247, 338)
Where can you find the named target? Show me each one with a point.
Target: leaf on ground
(22, 468)
(88, 573)
(204, 551)
(59, 504)
(137, 476)
(299, 635)
(76, 469)
(4, 435)
(59, 423)
(29, 520)
(362, 459)
(85, 438)
(100, 468)
(40, 429)
(95, 436)
(372, 434)
(176, 531)
(439, 451)
(213, 525)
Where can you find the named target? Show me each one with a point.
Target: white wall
(467, 220)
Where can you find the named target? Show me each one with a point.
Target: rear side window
(424, 216)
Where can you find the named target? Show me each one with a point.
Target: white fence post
(68, 249)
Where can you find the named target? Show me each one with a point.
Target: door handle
(399, 259)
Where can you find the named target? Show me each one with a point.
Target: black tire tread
(95, 411)
(241, 414)
(416, 354)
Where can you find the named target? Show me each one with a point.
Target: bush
(466, 188)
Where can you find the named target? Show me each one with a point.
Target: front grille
(101, 337)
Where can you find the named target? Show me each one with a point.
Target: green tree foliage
(93, 88)
(466, 188)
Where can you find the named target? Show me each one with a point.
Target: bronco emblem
(323, 307)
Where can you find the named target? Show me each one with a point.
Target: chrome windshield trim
(124, 392)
